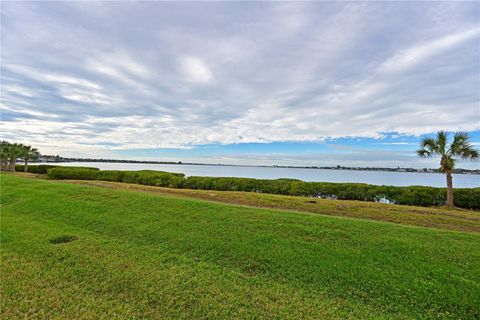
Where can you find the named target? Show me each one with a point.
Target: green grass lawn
(140, 255)
(436, 217)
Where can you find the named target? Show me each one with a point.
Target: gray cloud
(109, 75)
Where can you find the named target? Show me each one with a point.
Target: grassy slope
(441, 218)
(146, 255)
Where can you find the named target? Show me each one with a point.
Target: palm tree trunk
(25, 168)
(449, 189)
(12, 164)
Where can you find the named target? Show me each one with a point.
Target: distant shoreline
(398, 169)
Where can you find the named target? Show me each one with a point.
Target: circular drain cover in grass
(63, 239)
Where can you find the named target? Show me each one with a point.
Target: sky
(285, 83)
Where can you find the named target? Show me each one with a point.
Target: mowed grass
(84, 252)
(435, 217)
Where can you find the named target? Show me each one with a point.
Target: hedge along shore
(468, 198)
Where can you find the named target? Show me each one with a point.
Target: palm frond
(422, 153)
(460, 146)
(470, 153)
(441, 141)
(459, 140)
(428, 149)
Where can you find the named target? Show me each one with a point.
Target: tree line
(11, 152)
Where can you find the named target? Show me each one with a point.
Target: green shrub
(111, 175)
(416, 195)
(467, 198)
(412, 195)
(76, 173)
(154, 178)
(199, 183)
(40, 169)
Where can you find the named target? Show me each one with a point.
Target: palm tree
(14, 152)
(29, 153)
(458, 148)
(4, 155)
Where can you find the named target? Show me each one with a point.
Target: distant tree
(13, 151)
(4, 155)
(10, 152)
(28, 153)
(448, 153)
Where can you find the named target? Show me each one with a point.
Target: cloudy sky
(254, 82)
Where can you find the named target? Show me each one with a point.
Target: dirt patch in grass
(63, 239)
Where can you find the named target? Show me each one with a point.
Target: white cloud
(195, 70)
(17, 90)
(154, 74)
(397, 143)
(67, 80)
(413, 56)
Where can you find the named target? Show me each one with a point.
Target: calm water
(371, 177)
